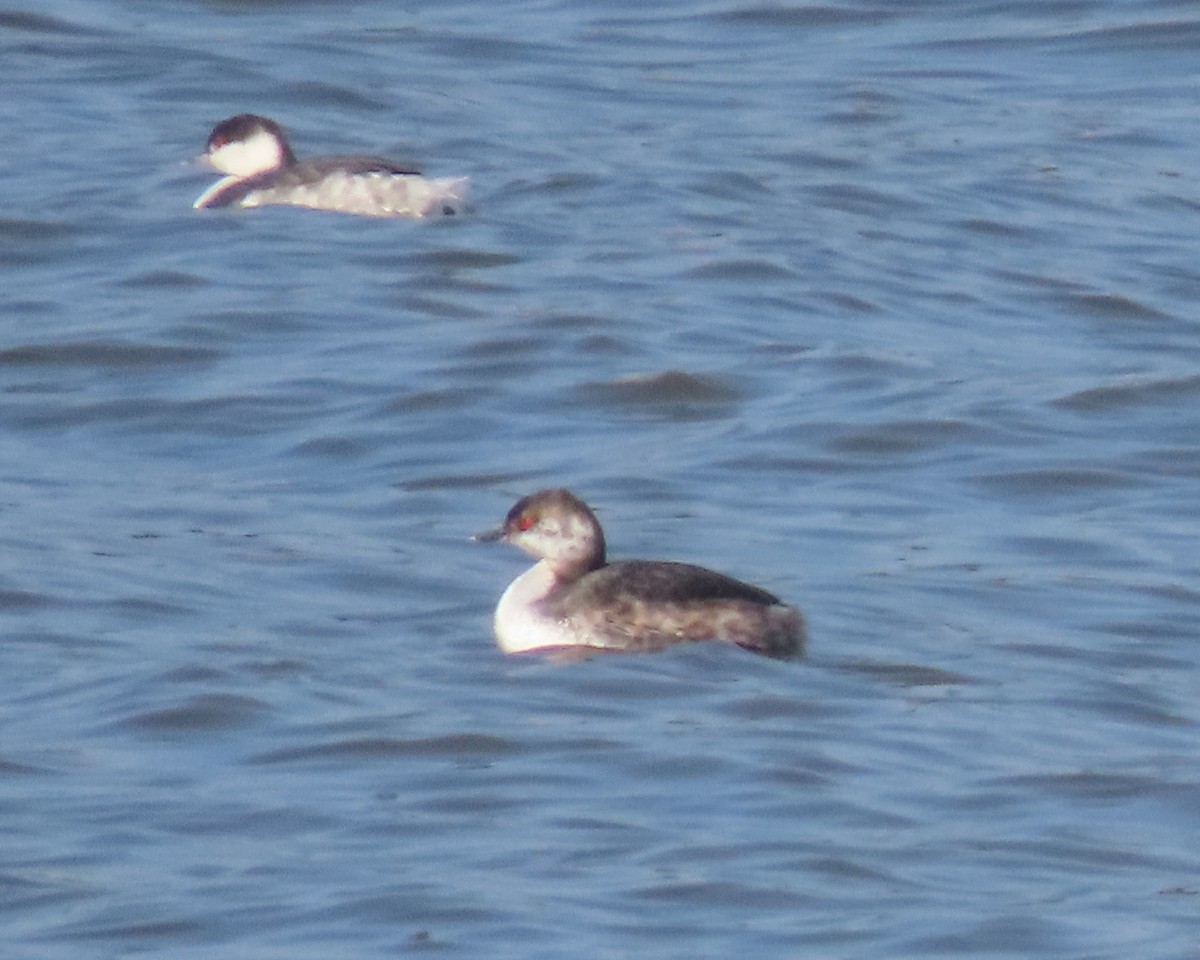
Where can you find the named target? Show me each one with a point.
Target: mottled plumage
(574, 598)
(263, 171)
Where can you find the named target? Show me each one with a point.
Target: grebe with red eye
(262, 171)
(573, 597)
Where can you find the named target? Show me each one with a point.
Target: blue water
(889, 308)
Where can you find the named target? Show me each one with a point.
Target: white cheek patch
(244, 158)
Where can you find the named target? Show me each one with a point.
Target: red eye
(525, 521)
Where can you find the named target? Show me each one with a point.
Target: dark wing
(224, 194)
(662, 581)
(649, 605)
(307, 171)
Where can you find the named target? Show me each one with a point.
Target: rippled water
(889, 308)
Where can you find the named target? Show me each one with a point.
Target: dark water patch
(732, 185)
(742, 271)
(473, 481)
(909, 675)
(194, 674)
(28, 22)
(674, 394)
(1069, 856)
(553, 185)
(1174, 592)
(262, 321)
(1011, 935)
(234, 819)
(867, 110)
(1063, 653)
(200, 714)
(414, 903)
(106, 354)
(723, 895)
(1169, 391)
(37, 389)
(1055, 482)
(372, 581)
(794, 777)
(1126, 705)
(813, 160)
(509, 356)
(605, 344)
(183, 930)
(479, 48)
(1057, 287)
(1062, 549)
(11, 768)
(317, 93)
(336, 448)
(478, 804)
(144, 609)
(1139, 138)
(998, 229)
(450, 747)
(874, 365)
(1157, 631)
(774, 707)
(908, 436)
(799, 466)
(596, 324)
(30, 308)
(1095, 786)
(437, 308)
(662, 768)
(77, 645)
(1112, 306)
(224, 417)
(622, 834)
(35, 231)
(25, 243)
(278, 668)
(863, 201)
(842, 871)
(1142, 38)
(258, 6)
(23, 601)
(21, 896)
(807, 16)
(461, 259)
(950, 74)
(164, 280)
(609, 693)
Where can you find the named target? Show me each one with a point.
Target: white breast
(520, 626)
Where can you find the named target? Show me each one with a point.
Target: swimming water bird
(573, 597)
(262, 171)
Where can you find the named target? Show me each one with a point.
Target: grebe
(573, 597)
(262, 170)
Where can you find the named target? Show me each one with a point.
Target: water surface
(889, 308)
